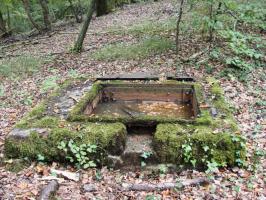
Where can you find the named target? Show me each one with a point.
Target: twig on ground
(165, 186)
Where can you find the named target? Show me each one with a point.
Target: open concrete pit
(135, 123)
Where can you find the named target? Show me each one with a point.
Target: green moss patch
(35, 114)
(111, 137)
(197, 145)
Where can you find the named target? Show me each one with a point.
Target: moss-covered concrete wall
(197, 145)
(111, 137)
(183, 142)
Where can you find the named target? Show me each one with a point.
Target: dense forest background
(20, 16)
(231, 30)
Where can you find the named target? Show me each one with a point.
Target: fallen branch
(165, 186)
(195, 56)
(68, 175)
(49, 190)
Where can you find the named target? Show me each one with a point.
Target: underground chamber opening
(138, 100)
(138, 147)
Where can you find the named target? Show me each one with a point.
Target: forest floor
(19, 94)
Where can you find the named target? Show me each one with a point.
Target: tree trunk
(178, 25)
(46, 15)
(82, 34)
(2, 23)
(101, 7)
(26, 5)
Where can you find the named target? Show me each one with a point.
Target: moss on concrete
(77, 111)
(226, 119)
(35, 114)
(110, 137)
(205, 145)
(28, 148)
(46, 122)
(205, 118)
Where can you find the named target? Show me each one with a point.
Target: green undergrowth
(141, 49)
(146, 27)
(20, 66)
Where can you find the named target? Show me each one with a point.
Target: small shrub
(83, 156)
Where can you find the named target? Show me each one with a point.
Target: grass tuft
(142, 49)
(20, 66)
(146, 27)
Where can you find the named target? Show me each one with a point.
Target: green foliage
(144, 156)
(253, 14)
(232, 27)
(243, 56)
(187, 153)
(73, 74)
(142, 49)
(83, 156)
(20, 66)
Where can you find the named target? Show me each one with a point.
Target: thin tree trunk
(2, 23)
(79, 43)
(101, 7)
(211, 20)
(218, 11)
(8, 19)
(178, 25)
(46, 15)
(27, 10)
